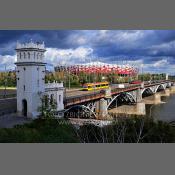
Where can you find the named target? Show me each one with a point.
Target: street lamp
(142, 72)
(5, 83)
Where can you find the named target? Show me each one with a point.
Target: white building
(31, 85)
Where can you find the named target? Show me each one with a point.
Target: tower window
(20, 55)
(24, 87)
(51, 99)
(24, 68)
(34, 55)
(59, 98)
(28, 55)
(24, 55)
(37, 68)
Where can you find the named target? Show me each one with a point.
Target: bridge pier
(157, 98)
(97, 107)
(140, 107)
(103, 111)
(138, 95)
(166, 92)
(172, 89)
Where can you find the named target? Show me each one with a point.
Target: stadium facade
(99, 67)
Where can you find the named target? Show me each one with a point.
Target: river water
(164, 111)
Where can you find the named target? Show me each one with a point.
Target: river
(164, 111)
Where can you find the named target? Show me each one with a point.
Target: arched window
(29, 55)
(24, 55)
(51, 98)
(20, 55)
(38, 56)
(46, 100)
(59, 98)
(34, 55)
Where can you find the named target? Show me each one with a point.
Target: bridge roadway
(77, 96)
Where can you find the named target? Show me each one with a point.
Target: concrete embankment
(138, 109)
(153, 99)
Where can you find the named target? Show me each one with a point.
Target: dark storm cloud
(148, 46)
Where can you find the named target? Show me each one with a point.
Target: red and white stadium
(98, 67)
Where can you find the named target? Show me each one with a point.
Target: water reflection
(164, 111)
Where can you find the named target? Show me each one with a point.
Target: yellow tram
(95, 86)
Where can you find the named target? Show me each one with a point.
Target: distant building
(31, 85)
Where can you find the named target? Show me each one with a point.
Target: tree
(48, 107)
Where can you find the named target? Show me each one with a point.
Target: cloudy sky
(152, 49)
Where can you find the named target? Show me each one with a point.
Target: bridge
(97, 103)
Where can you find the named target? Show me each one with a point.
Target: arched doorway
(24, 107)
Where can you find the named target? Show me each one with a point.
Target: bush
(39, 131)
(129, 130)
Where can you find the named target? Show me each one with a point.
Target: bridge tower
(30, 75)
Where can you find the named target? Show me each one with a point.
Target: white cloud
(67, 56)
(161, 66)
(161, 63)
(7, 60)
(164, 47)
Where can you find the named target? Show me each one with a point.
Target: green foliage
(8, 79)
(40, 131)
(129, 130)
(48, 107)
(148, 76)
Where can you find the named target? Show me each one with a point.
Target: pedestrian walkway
(10, 120)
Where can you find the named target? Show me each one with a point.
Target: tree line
(8, 79)
(76, 80)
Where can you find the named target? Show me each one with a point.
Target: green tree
(48, 107)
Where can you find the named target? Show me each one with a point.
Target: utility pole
(142, 72)
(69, 76)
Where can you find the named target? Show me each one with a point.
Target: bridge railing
(73, 100)
(82, 98)
(128, 88)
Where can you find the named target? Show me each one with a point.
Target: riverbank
(121, 130)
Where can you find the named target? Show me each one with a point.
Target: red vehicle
(136, 82)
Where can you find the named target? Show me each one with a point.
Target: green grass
(9, 88)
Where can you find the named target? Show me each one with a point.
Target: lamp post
(142, 72)
(5, 83)
(69, 76)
